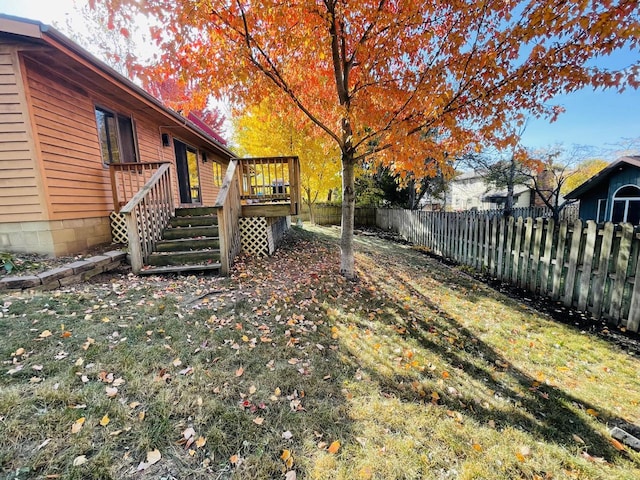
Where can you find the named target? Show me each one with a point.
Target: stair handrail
(147, 214)
(229, 207)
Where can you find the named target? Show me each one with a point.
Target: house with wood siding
(81, 146)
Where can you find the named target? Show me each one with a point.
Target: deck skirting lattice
(118, 228)
(255, 236)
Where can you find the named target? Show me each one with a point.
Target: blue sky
(601, 119)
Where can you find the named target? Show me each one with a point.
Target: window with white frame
(626, 205)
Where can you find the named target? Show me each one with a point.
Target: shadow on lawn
(548, 413)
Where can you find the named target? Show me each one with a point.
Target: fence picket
(559, 262)
(620, 273)
(535, 259)
(587, 262)
(633, 321)
(526, 256)
(516, 251)
(601, 276)
(570, 280)
(487, 233)
(545, 261)
(501, 239)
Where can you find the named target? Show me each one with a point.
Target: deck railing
(270, 180)
(128, 178)
(229, 208)
(147, 214)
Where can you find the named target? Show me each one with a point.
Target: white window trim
(604, 216)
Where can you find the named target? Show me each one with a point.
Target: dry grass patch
(414, 371)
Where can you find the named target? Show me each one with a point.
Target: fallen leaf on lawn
(334, 447)
(239, 373)
(287, 435)
(133, 405)
(188, 433)
(116, 433)
(252, 389)
(77, 425)
(616, 444)
(141, 416)
(105, 421)
(15, 370)
(66, 334)
(520, 457)
(578, 439)
(45, 334)
(286, 454)
(80, 460)
(290, 475)
(192, 452)
(79, 362)
(153, 456)
(293, 361)
(43, 444)
(258, 420)
(477, 447)
(592, 412)
(593, 459)
(35, 380)
(234, 459)
(201, 441)
(19, 352)
(177, 362)
(118, 381)
(111, 391)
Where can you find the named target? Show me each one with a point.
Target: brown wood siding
(207, 185)
(20, 198)
(77, 181)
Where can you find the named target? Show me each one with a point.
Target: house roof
(66, 55)
(603, 176)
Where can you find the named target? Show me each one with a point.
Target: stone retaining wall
(67, 274)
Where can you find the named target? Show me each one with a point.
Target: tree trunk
(508, 208)
(347, 261)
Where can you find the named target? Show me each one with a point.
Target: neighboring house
(469, 190)
(78, 142)
(612, 195)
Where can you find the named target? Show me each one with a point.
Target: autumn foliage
(380, 77)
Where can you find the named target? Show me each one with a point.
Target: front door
(187, 168)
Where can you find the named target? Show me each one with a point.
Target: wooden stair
(189, 244)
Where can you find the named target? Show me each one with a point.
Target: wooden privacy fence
(588, 266)
(332, 215)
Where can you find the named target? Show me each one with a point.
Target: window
(602, 210)
(626, 205)
(117, 140)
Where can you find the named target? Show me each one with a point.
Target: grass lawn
(285, 370)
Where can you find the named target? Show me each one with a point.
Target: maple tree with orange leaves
(377, 75)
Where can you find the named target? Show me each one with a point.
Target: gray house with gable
(612, 195)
